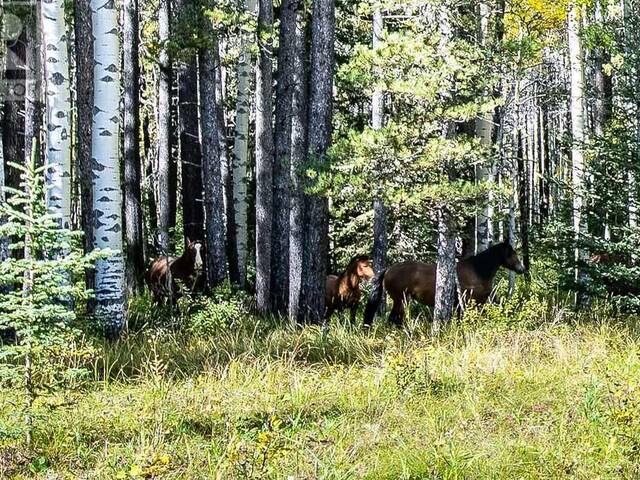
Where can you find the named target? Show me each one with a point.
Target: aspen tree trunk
(298, 155)
(107, 195)
(484, 131)
(532, 142)
(84, 119)
(211, 172)
(151, 225)
(513, 151)
(377, 121)
(281, 166)
(132, 176)
(226, 162)
(164, 183)
(523, 197)
(320, 129)
(546, 165)
(578, 109)
(58, 100)
(264, 155)
(241, 145)
(632, 43)
(603, 84)
(515, 137)
(499, 121)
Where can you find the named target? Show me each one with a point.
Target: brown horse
(404, 281)
(343, 291)
(164, 271)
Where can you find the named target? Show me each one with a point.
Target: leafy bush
(194, 313)
(221, 311)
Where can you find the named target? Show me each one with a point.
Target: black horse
(407, 280)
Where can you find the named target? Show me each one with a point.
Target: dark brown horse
(164, 272)
(343, 291)
(416, 280)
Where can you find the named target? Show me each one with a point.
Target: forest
(319, 239)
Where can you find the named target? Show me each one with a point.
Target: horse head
(510, 259)
(194, 250)
(361, 266)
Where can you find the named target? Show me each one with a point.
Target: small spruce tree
(39, 287)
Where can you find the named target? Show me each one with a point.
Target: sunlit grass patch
(268, 400)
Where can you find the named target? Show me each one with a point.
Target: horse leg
(353, 312)
(396, 316)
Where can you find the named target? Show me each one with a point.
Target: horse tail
(374, 299)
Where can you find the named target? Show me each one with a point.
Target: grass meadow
(518, 390)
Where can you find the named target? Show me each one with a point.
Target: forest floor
(552, 398)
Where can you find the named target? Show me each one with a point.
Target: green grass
(550, 398)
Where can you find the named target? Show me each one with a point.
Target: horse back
(158, 269)
(411, 280)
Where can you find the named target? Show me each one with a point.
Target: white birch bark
(241, 144)
(513, 173)
(578, 109)
(379, 254)
(105, 143)
(631, 44)
(377, 122)
(164, 198)
(58, 101)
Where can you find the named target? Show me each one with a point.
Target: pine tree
(298, 155)
(166, 192)
(216, 262)
(320, 133)
(132, 166)
(264, 155)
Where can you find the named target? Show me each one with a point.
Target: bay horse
(164, 271)
(343, 291)
(416, 280)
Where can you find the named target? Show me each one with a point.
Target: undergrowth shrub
(225, 309)
(192, 312)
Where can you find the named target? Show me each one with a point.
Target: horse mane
(344, 283)
(353, 263)
(486, 263)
